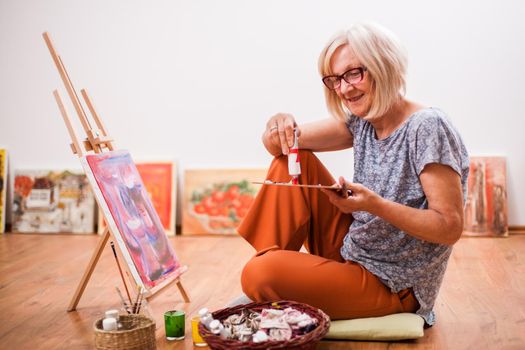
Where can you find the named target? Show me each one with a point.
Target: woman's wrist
(376, 205)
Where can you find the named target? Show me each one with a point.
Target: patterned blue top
(391, 168)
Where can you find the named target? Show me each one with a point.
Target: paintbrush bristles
(133, 308)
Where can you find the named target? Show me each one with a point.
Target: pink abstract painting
(131, 216)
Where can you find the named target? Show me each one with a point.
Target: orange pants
(280, 221)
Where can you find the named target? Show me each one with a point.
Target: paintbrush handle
(120, 270)
(136, 304)
(124, 303)
(141, 300)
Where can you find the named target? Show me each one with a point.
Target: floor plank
(481, 304)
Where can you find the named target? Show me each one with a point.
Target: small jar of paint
(174, 324)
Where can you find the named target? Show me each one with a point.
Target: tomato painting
(222, 206)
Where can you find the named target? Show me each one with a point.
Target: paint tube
(294, 165)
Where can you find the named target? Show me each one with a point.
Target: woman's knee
(259, 276)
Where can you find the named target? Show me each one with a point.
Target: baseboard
(513, 230)
(517, 230)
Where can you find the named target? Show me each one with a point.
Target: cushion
(391, 327)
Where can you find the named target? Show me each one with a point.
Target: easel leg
(183, 291)
(89, 270)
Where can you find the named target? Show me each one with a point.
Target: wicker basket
(306, 341)
(138, 333)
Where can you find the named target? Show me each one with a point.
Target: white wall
(196, 80)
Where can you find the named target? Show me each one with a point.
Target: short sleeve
(436, 141)
(351, 123)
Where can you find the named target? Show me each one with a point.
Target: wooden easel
(96, 141)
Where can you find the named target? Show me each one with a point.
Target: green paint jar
(174, 324)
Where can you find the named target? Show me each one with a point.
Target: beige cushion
(392, 327)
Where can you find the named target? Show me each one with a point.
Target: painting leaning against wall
(3, 188)
(160, 181)
(216, 200)
(486, 206)
(46, 201)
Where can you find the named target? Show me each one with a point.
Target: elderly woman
(380, 244)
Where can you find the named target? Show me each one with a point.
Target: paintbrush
(141, 298)
(136, 304)
(120, 270)
(124, 304)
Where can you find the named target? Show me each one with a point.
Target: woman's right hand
(279, 134)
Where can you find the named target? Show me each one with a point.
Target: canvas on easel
(128, 210)
(159, 178)
(132, 220)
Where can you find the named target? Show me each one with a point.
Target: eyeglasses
(351, 76)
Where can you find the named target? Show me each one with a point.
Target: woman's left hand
(350, 197)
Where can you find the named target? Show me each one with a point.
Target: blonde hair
(380, 51)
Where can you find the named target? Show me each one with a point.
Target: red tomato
(199, 208)
(236, 203)
(218, 196)
(208, 202)
(233, 192)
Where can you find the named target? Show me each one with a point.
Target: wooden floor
(481, 305)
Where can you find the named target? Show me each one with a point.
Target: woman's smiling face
(356, 97)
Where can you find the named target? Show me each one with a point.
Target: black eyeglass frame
(361, 70)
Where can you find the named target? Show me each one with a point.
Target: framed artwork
(216, 200)
(159, 177)
(486, 206)
(47, 201)
(3, 188)
(160, 181)
(131, 217)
